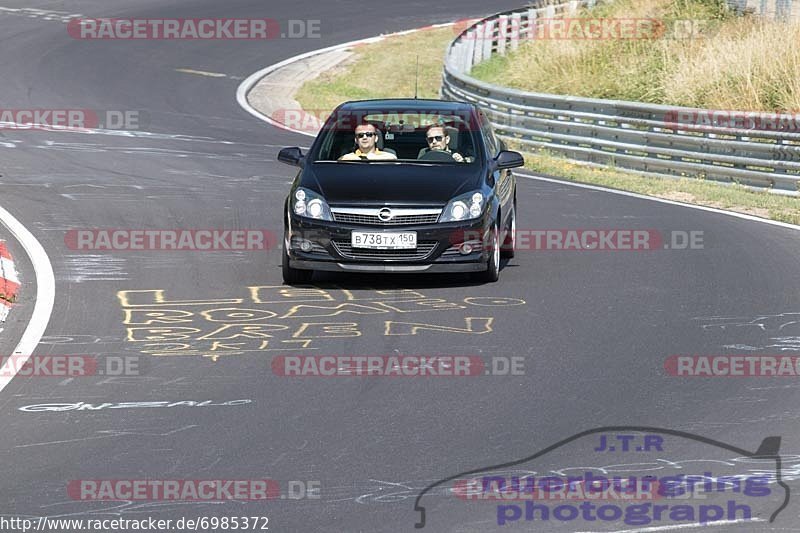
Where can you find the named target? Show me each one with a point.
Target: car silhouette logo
(385, 214)
(767, 452)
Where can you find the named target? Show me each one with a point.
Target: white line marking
(45, 296)
(662, 200)
(681, 526)
(201, 73)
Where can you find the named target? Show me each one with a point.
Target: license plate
(406, 240)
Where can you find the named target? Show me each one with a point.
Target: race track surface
(592, 329)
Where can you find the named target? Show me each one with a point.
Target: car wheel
(492, 272)
(291, 275)
(510, 241)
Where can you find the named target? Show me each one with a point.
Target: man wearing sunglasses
(367, 142)
(438, 141)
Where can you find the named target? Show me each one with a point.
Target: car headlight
(307, 203)
(464, 207)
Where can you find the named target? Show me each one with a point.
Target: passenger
(367, 142)
(439, 141)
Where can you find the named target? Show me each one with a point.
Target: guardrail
(783, 10)
(645, 137)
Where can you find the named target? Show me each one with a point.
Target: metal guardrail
(644, 137)
(783, 10)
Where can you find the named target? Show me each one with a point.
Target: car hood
(387, 183)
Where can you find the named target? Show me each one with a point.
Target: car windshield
(399, 136)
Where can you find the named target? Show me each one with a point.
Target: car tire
(292, 276)
(492, 272)
(510, 241)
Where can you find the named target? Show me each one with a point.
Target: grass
(733, 62)
(382, 70)
(758, 79)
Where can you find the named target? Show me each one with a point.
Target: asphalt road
(593, 328)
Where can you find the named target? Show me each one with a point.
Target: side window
(336, 142)
(492, 146)
(325, 151)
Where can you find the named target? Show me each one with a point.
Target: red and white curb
(9, 282)
(45, 283)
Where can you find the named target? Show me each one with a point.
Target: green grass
(743, 63)
(385, 69)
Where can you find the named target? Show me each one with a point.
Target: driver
(439, 140)
(367, 141)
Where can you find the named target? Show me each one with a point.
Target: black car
(450, 209)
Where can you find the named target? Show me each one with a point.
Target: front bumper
(436, 247)
(433, 268)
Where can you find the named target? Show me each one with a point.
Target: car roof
(406, 103)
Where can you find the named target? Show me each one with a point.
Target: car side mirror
(509, 159)
(291, 156)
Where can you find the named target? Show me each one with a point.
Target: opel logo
(385, 214)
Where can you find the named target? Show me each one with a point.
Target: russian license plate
(406, 240)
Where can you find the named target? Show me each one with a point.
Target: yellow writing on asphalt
(315, 310)
(276, 294)
(475, 325)
(146, 317)
(234, 314)
(248, 331)
(382, 295)
(271, 318)
(161, 334)
(428, 304)
(327, 330)
(152, 298)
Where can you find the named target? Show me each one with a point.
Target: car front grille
(400, 216)
(373, 220)
(423, 250)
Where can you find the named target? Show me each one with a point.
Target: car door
(503, 178)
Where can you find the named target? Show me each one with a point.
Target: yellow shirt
(375, 154)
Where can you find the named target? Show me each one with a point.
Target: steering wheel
(436, 155)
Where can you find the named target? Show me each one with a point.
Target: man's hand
(458, 157)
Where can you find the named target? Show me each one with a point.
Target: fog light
(305, 245)
(465, 249)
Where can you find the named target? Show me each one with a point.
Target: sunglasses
(435, 138)
(368, 134)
